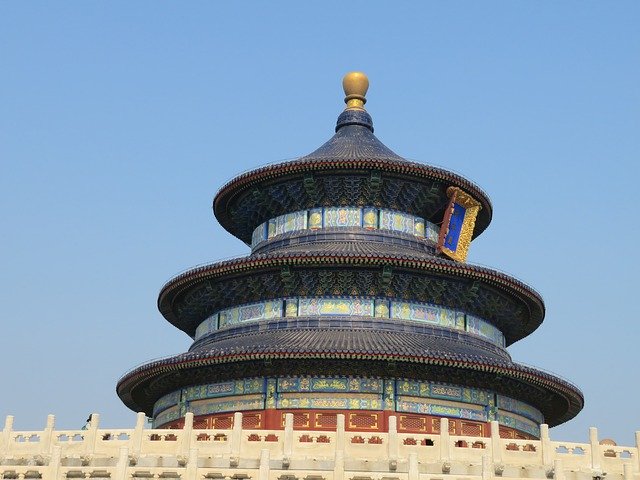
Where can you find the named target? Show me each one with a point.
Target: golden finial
(355, 85)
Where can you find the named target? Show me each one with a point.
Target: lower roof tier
(363, 269)
(351, 352)
(365, 401)
(365, 422)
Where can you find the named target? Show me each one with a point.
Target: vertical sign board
(458, 223)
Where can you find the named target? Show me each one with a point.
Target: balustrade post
(54, 463)
(414, 471)
(236, 433)
(340, 435)
(123, 463)
(545, 445)
(5, 440)
(47, 434)
(187, 433)
(445, 440)
(192, 464)
(136, 439)
(638, 449)
(90, 435)
(496, 443)
(263, 473)
(393, 443)
(558, 469)
(338, 464)
(487, 467)
(595, 448)
(288, 434)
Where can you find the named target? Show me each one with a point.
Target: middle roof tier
(355, 269)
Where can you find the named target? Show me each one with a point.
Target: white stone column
(236, 434)
(487, 467)
(393, 443)
(338, 463)
(558, 470)
(595, 448)
(445, 440)
(628, 471)
(136, 439)
(54, 463)
(340, 435)
(496, 444)
(265, 457)
(288, 434)
(91, 434)
(192, 464)
(47, 435)
(638, 448)
(123, 463)
(5, 440)
(414, 471)
(187, 433)
(545, 445)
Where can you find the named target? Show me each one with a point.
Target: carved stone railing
(291, 454)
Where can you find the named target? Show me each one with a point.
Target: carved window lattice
(326, 420)
(251, 421)
(413, 423)
(471, 429)
(223, 423)
(300, 419)
(200, 424)
(363, 421)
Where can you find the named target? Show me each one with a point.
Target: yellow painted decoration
(471, 208)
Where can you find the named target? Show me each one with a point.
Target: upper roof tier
(353, 168)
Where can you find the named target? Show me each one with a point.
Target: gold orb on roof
(355, 85)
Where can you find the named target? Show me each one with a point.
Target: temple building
(352, 343)
(354, 301)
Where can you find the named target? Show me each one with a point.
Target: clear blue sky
(119, 121)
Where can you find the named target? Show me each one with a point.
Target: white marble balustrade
(290, 454)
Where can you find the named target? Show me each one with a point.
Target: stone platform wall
(291, 454)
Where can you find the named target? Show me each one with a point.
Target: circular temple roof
(353, 168)
(351, 351)
(514, 307)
